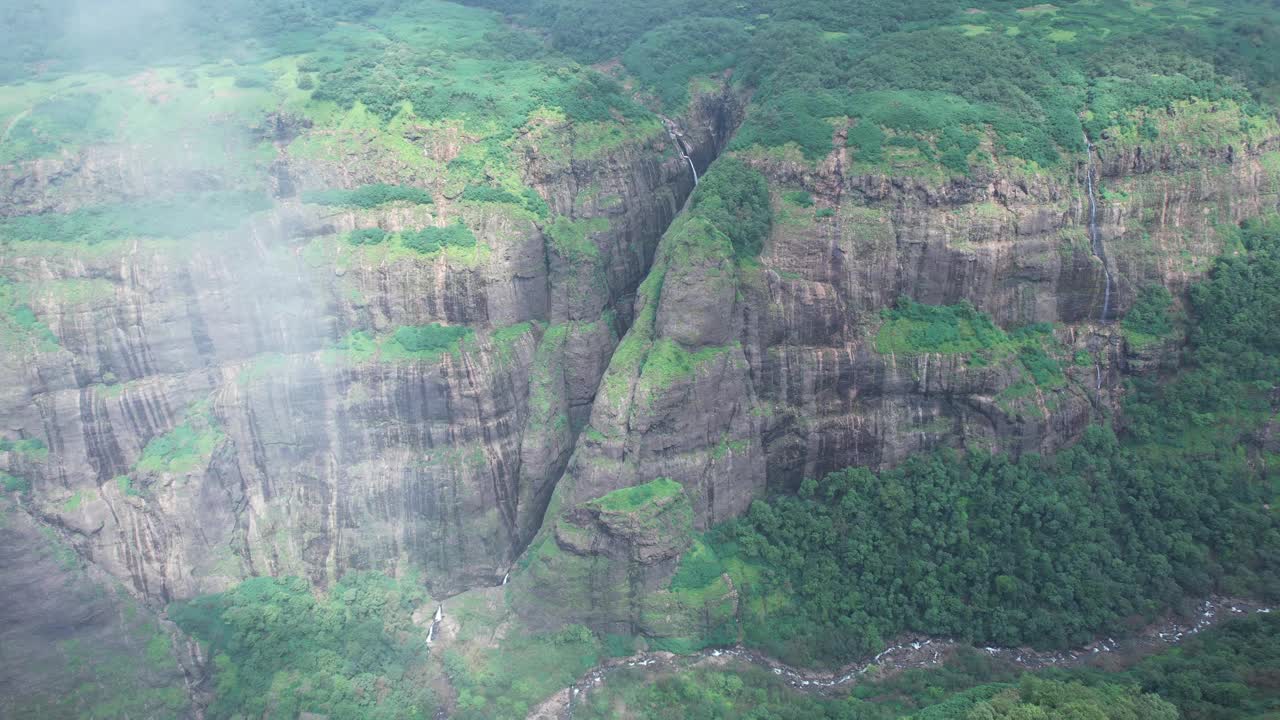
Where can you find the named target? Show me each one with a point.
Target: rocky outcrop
(599, 563)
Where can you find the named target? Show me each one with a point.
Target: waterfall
(435, 620)
(505, 578)
(1095, 237)
(692, 169)
(674, 133)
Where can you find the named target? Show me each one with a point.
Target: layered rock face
(784, 356)
(235, 404)
(75, 643)
(188, 414)
(739, 376)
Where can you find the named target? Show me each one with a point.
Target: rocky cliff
(236, 403)
(187, 413)
(745, 375)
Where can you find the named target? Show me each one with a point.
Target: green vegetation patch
(410, 342)
(437, 60)
(367, 236)
(1150, 319)
(426, 241)
(429, 340)
(506, 683)
(19, 325)
(699, 567)
(799, 198)
(573, 239)
(913, 327)
(529, 199)
(279, 650)
(633, 498)
(668, 362)
(31, 447)
(52, 125)
(667, 57)
(734, 198)
(186, 447)
(433, 239)
(176, 217)
(369, 196)
(11, 483)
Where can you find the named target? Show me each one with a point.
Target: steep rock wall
(741, 376)
(206, 412)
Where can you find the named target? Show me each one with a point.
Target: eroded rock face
(71, 644)
(599, 562)
(229, 406)
(206, 413)
(741, 376)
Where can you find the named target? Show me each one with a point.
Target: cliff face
(190, 413)
(785, 358)
(76, 644)
(201, 411)
(739, 376)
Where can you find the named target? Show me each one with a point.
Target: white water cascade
(1095, 237)
(435, 620)
(689, 160)
(674, 132)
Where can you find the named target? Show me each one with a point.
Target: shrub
(430, 339)
(1150, 312)
(666, 57)
(529, 199)
(735, 199)
(798, 197)
(330, 652)
(867, 139)
(433, 239)
(367, 236)
(369, 196)
(913, 327)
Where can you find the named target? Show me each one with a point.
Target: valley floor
(910, 651)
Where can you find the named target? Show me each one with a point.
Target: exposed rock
(71, 645)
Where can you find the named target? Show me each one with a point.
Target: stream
(907, 652)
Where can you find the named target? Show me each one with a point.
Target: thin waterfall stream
(674, 132)
(1095, 236)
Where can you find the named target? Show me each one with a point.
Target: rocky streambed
(908, 652)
